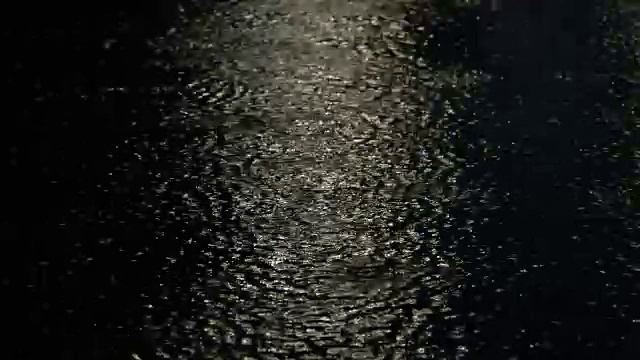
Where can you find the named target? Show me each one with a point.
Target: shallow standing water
(292, 180)
(387, 204)
(319, 122)
(338, 143)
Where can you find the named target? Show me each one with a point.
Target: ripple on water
(316, 107)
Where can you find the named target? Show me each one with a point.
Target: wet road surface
(358, 179)
(322, 156)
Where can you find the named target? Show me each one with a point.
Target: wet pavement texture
(281, 179)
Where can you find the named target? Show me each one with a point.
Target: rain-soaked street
(323, 167)
(324, 179)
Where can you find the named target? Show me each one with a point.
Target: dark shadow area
(92, 247)
(552, 258)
